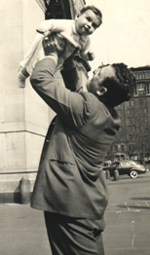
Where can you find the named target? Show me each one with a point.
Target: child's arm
(86, 52)
(52, 25)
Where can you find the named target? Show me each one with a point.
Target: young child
(76, 33)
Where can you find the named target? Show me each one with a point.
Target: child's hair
(119, 88)
(93, 9)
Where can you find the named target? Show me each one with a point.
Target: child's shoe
(21, 80)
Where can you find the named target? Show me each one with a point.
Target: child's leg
(23, 75)
(34, 53)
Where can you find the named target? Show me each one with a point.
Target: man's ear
(102, 90)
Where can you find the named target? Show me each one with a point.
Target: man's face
(87, 22)
(99, 75)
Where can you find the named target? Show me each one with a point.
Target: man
(70, 187)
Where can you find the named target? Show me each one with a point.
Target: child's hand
(91, 55)
(43, 32)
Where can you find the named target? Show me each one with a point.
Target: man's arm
(70, 106)
(70, 74)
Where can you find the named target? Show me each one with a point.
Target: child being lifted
(74, 34)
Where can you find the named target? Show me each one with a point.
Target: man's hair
(119, 88)
(93, 9)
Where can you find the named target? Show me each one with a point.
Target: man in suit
(70, 187)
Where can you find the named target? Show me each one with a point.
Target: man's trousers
(74, 236)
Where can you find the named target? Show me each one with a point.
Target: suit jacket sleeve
(72, 107)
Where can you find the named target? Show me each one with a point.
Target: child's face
(87, 22)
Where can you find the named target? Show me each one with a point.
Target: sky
(124, 35)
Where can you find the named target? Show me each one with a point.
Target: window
(129, 121)
(135, 90)
(130, 137)
(141, 88)
(147, 75)
(119, 113)
(128, 111)
(133, 128)
(116, 148)
(131, 147)
(148, 87)
(121, 138)
(122, 147)
(113, 149)
(133, 112)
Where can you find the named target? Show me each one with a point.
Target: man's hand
(54, 42)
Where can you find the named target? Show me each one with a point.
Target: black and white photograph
(75, 127)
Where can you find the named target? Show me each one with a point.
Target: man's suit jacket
(70, 179)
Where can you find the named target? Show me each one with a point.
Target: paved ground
(128, 217)
(22, 229)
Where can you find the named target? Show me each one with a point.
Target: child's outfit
(35, 53)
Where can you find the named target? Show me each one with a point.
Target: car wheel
(133, 174)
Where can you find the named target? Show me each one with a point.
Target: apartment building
(133, 137)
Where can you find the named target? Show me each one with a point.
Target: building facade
(134, 135)
(24, 117)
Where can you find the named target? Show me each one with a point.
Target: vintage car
(129, 167)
